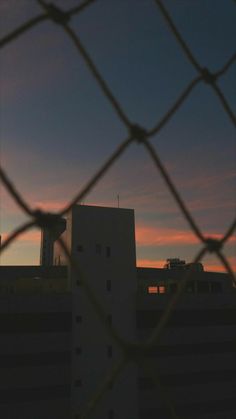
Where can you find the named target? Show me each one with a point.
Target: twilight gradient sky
(57, 128)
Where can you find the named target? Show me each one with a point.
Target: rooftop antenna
(118, 201)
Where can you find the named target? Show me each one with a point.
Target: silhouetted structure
(55, 351)
(47, 243)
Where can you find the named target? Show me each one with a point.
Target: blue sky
(57, 127)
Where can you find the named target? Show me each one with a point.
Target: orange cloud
(148, 263)
(219, 267)
(29, 237)
(159, 236)
(206, 181)
(214, 268)
(149, 236)
(210, 267)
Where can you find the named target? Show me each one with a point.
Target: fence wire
(132, 351)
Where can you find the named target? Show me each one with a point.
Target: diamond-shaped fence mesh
(135, 133)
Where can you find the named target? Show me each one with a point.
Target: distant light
(162, 289)
(152, 290)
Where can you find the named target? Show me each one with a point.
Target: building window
(78, 283)
(216, 287)
(109, 351)
(203, 287)
(111, 414)
(78, 383)
(173, 287)
(80, 248)
(109, 319)
(189, 287)
(78, 319)
(109, 285)
(78, 350)
(153, 290)
(98, 249)
(110, 385)
(108, 252)
(162, 289)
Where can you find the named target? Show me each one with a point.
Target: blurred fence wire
(135, 134)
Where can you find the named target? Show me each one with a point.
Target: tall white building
(102, 242)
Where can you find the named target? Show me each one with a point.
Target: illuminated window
(162, 289)
(152, 290)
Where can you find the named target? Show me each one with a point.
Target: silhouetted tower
(47, 243)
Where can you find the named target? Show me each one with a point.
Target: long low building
(35, 356)
(195, 358)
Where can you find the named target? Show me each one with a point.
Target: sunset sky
(57, 128)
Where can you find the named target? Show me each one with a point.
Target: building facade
(57, 350)
(102, 243)
(195, 358)
(35, 355)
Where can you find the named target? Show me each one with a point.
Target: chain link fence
(132, 352)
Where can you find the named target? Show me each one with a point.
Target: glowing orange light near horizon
(152, 290)
(162, 289)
